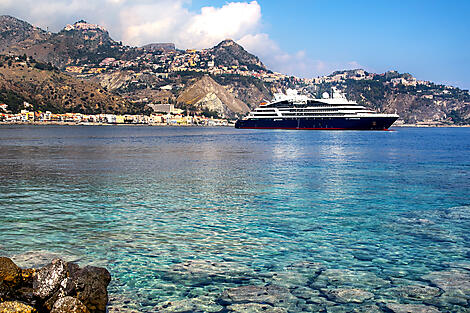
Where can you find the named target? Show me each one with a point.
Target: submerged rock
(353, 295)
(181, 306)
(411, 308)
(254, 308)
(417, 292)
(199, 304)
(346, 278)
(200, 272)
(273, 295)
(451, 281)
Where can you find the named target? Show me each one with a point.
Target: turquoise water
(155, 205)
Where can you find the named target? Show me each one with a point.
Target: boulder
(15, 307)
(89, 285)
(10, 278)
(69, 305)
(48, 279)
(10, 273)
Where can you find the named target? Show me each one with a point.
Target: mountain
(228, 53)
(77, 44)
(46, 88)
(15, 32)
(205, 94)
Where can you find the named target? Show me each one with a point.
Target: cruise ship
(335, 112)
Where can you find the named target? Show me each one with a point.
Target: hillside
(80, 43)
(392, 92)
(228, 53)
(205, 94)
(46, 88)
(20, 34)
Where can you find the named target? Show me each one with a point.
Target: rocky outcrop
(207, 94)
(58, 287)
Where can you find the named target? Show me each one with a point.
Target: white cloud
(298, 63)
(139, 22)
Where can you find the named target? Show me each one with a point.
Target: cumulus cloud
(298, 63)
(139, 22)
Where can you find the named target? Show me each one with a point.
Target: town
(168, 115)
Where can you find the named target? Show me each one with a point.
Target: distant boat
(294, 111)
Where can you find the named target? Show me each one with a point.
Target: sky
(307, 38)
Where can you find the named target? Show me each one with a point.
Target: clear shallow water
(141, 201)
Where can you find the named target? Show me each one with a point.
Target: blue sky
(429, 39)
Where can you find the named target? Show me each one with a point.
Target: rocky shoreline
(58, 287)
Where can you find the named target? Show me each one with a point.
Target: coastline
(193, 125)
(108, 124)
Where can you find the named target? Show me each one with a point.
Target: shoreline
(193, 125)
(106, 124)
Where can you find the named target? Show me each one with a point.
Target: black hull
(332, 123)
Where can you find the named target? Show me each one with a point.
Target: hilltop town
(224, 81)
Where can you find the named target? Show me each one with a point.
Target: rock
(417, 292)
(10, 278)
(10, 273)
(254, 308)
(289, 279)
(451, 281)
(346, 278)
(200, 304)
(89, 285)
(16, 307)
(306, 267)
(181, 306)
(460, 213)
(69, 305)
(48, 279)
(305, 293)
(343, 295)
(411, 308)
(367, 309)
(271, 294)
(27, 275)
(204, 272)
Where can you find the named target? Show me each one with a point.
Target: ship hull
(326, 123)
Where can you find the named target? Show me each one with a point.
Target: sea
(195, 219)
